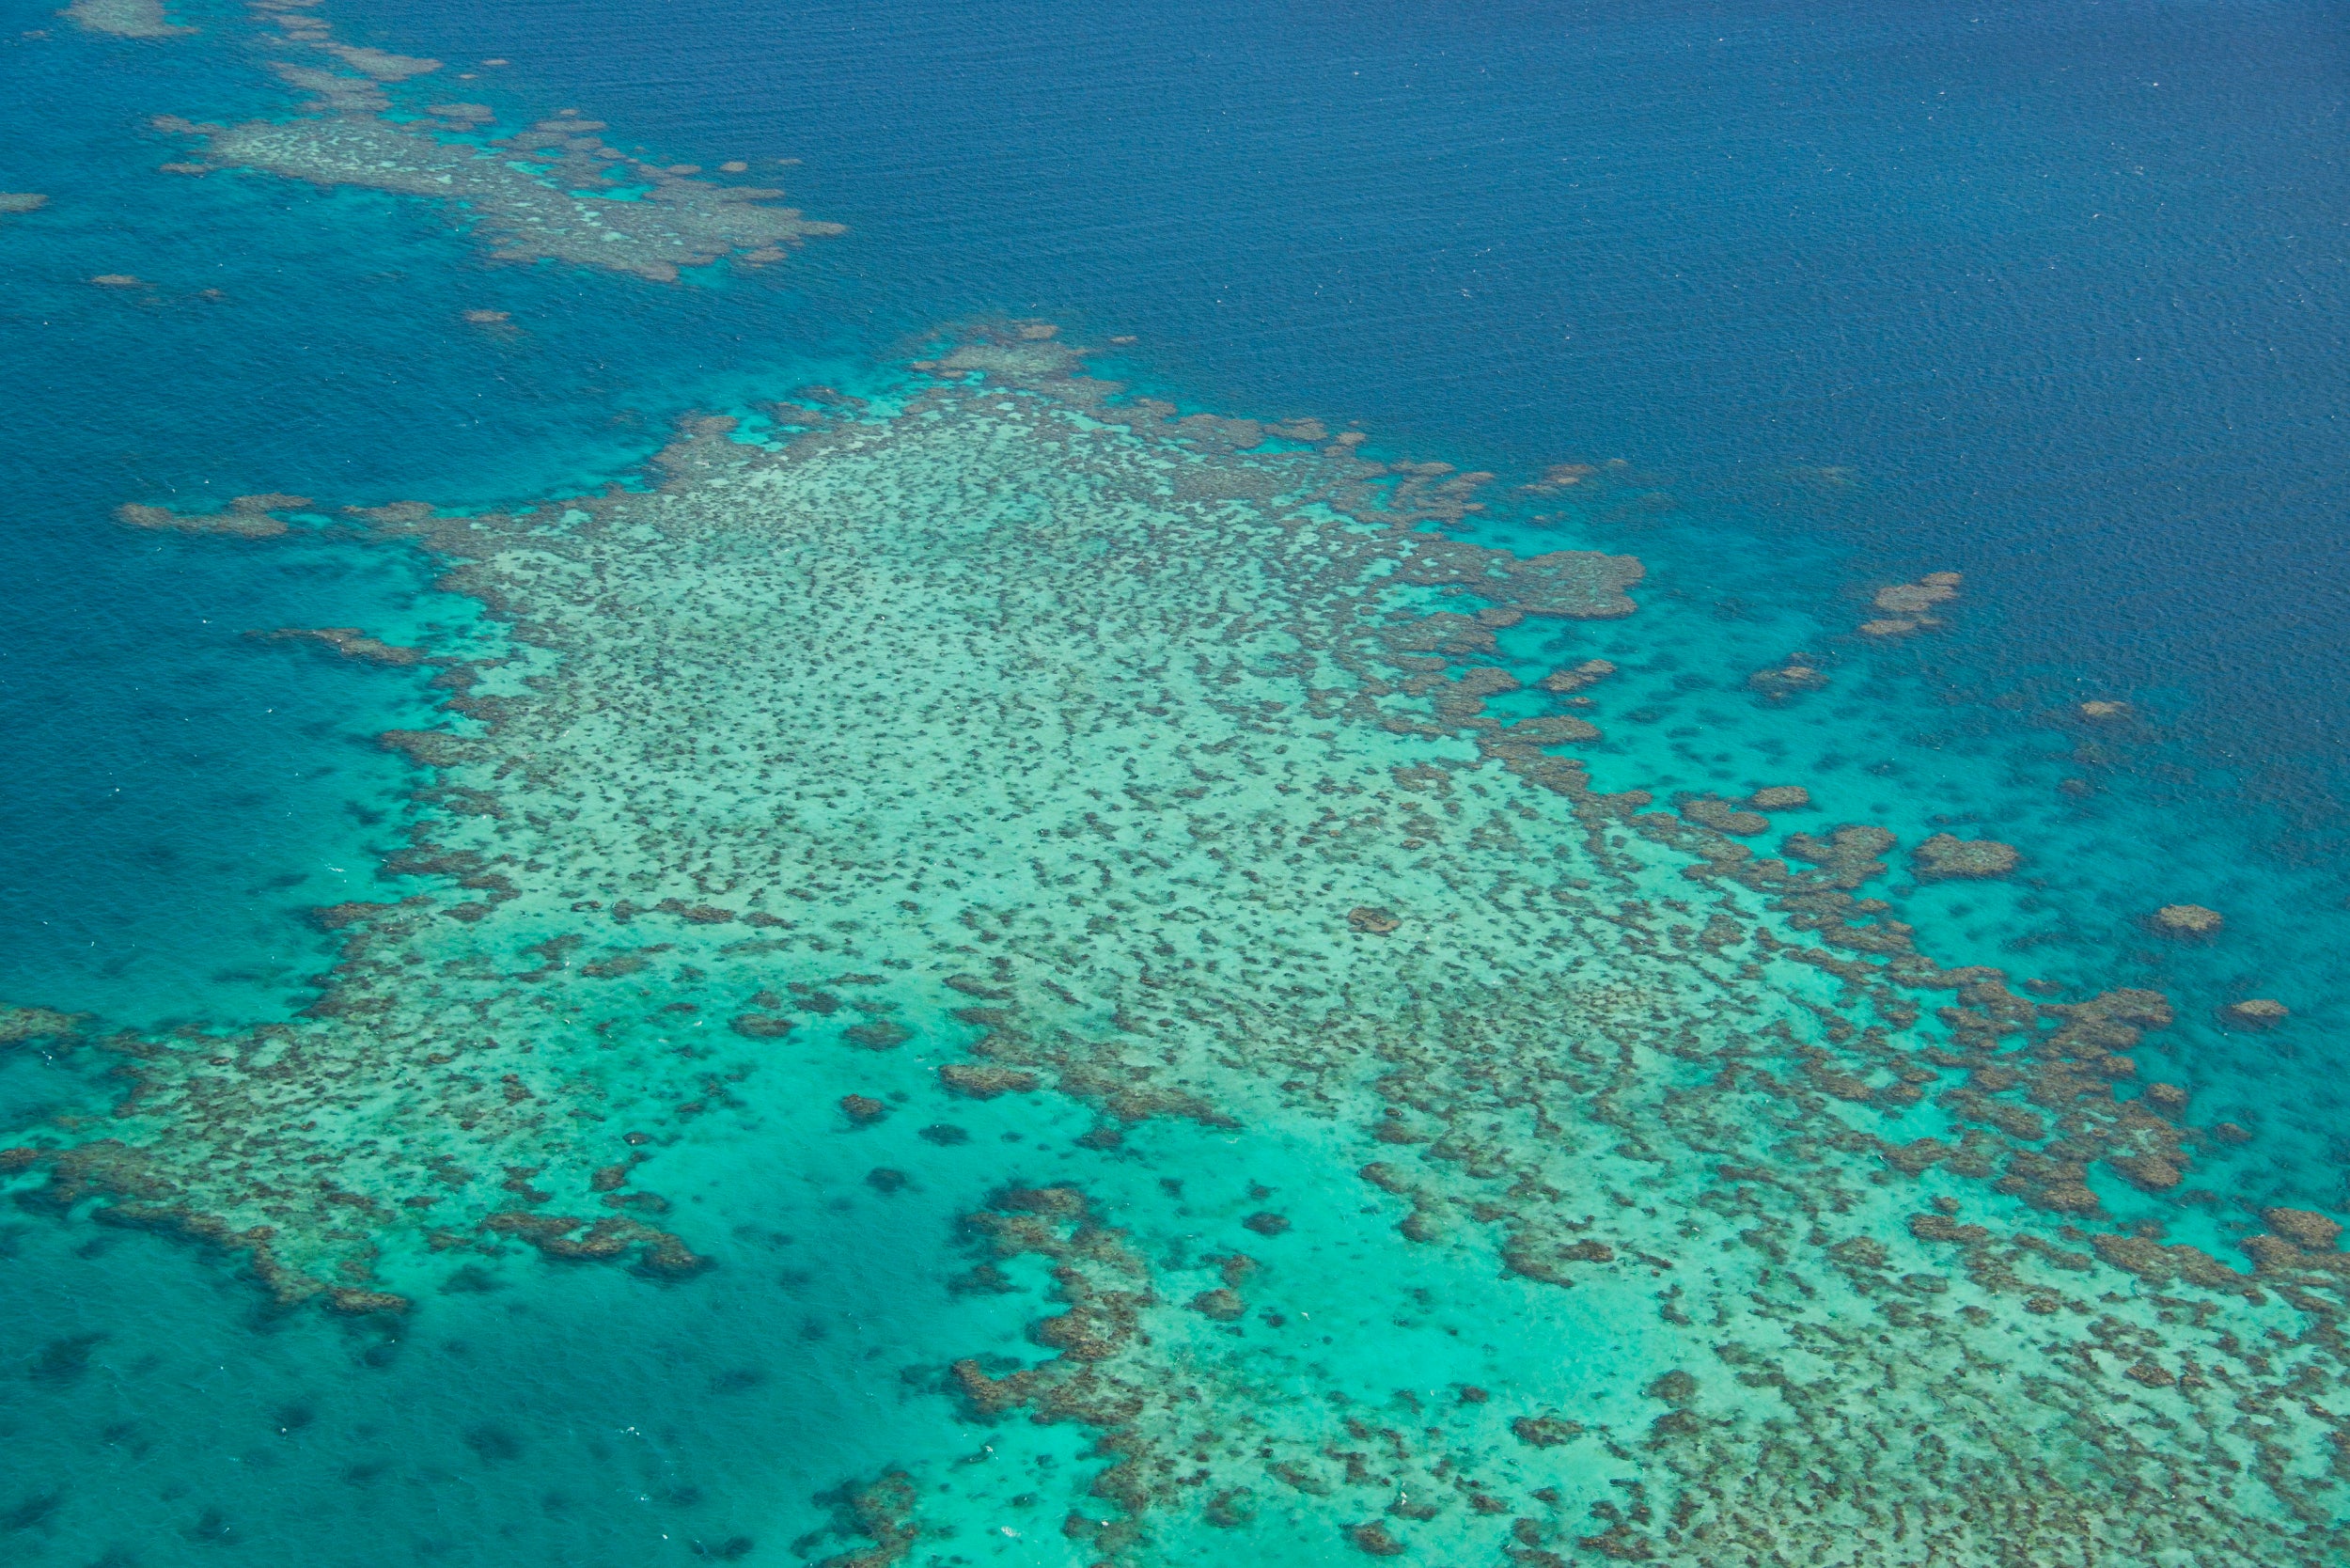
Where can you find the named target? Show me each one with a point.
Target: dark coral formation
(19, 1025)
(351, 643)
(246, 517)
(1569, 584)
(1908, 607)
(1724, 817)
(1589, 673)
(979, 1082)
(2256, 1013)
(2188, 921)
(1800, 673)
(883, 1513)
(1946, 857)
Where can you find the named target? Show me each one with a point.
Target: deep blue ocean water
(2061, 285)
(2054, 295)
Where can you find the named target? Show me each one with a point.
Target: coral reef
(2304, 1228)
(1945, 857)
(2186, 919)
(1723, 817)
(1589, 672)
(351, 643)
(1907, 607)
(246, 517)
(678, 222)
(21, 1024)
(1061, 745)
(556, 191)
(1798, 674)
(125, 19)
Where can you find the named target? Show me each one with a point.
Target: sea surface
(1523, 783)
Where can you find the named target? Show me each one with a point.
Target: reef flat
(1194, 770)
(125, 19)
(553, 192)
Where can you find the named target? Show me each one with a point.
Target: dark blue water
(2051, 294)
(2061, 287)
(2058, 290)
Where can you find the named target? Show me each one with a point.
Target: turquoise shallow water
(1362, 1130)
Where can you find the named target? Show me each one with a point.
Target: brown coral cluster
(246, 517)
(19, 1025)
(1589, 673)
(1906, 608)
(1946, 857)
(2188, 921)
(1582, 584)
(2256, 1013)
(351, 643)
(1800, 673)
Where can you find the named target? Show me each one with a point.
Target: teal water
(984, 978)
